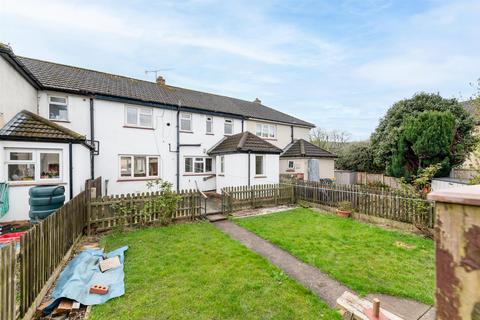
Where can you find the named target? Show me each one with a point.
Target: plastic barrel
(42, 201)
(46, 191)
(45, 200)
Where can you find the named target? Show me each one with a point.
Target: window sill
(198, 174)
(185, 131)
(14, 184)
(134, 127)
(210, 134)
(137, 179)
(221, 175)
(259, 177)
(58, 120)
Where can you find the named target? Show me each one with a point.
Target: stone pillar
(457, 237)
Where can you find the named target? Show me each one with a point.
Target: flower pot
(343, 213)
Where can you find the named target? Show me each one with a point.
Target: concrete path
(310, 277)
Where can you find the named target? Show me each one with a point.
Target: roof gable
(243, 143)
(305, 149)
(26, 125)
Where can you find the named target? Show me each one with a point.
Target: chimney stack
(160, 80)
(257, 101)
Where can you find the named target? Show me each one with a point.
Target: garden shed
(307, 161)
(245, 159)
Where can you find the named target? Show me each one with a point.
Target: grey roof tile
(302, 148)
(244, 142)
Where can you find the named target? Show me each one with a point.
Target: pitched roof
(59, 77)
(26, 125)
(305, 149)
(242, 143)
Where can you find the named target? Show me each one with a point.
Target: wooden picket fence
(45, 246)
(236, 198)
(389, 204)
(109, 212)
(7, 282)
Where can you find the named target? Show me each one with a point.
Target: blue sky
(338, 64)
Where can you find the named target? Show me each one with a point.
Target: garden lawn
(364, 257)
(194, 271)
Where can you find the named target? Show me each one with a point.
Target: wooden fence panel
(44, 246)
(241, 197)
(7, 281)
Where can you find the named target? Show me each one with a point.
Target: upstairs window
(198, 165)
(259, 165)
(58, 108)
(228, 127)
(186, 122)
(209, 125)
(138, 167)
(139, 117)
(266, 130)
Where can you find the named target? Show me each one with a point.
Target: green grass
(362, 256)
(194, 271)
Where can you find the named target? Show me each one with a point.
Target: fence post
(91, 194)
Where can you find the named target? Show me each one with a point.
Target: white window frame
(186, 116)
(291, 162)
(132, 169)
(36, 161)
(227, 121)
(222, 164)
(140, 111)
(263, 165)
(266, 130)
(50, 102)
(196, 159)
(209, 120)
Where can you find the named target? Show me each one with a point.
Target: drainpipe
(242, 124)
(70, 168)
(92, 139)
(178, 147)
(249, 156)
(291, 133)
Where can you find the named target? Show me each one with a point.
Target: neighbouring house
(137, 130)
(307, 161)
(244, 159)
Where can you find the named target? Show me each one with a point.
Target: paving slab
(312, 278)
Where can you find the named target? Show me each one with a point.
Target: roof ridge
(241, 143)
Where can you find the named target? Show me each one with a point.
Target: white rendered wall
(326, 167)
(18, 193)
(16, 93)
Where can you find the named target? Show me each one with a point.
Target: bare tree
(332, 140)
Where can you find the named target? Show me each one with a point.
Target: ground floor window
(291, 164)
(139, 166)
(33, 165)
(222, 164)
(259, 165)
(198, 165)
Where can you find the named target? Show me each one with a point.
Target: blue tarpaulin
(82, 272)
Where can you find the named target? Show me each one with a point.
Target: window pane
(126, 166)
(21, 156)
(61, 100)
(153, 166)
(188, 165)
(228, 129)
(259, 130)
(146, 120)
(58, 112)
(132, 116)
(21, 172)
(185, 125)
(222, 164)
(258, 165)
(272, 131)
(139, 166)
(208, 165)
(49, 166)
(209, 125)
(199, 168)
(291, 164)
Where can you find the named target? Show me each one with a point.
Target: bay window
(138, 167)
(33, 165)
(198, 165)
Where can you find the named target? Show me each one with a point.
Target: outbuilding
(245, 159)
(307, 161)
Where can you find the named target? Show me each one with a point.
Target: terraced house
(64, 124)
